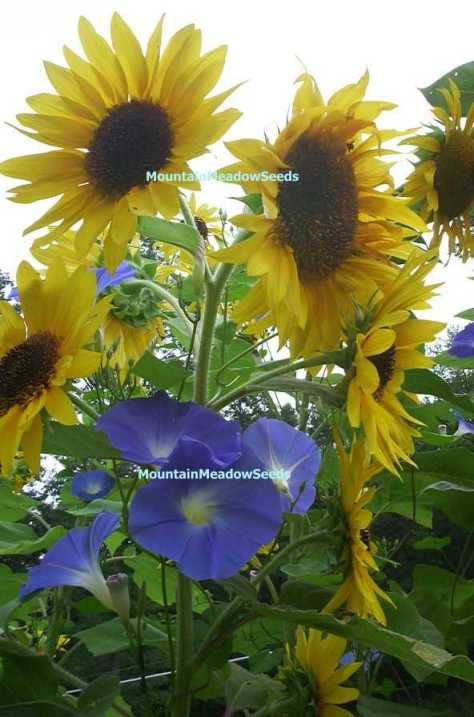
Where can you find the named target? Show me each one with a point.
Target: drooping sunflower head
(359, 592)
(40, 350)
(443, 179)
(126, 123)
(329, 222)
(320, 657)
(387, 345)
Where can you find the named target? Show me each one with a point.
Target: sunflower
(40, 350)
(125, 340)
(443, 181)
(117, 116)
(384, 350)
(327, 231)
(320, 657)
(127, 343)
(359, 592)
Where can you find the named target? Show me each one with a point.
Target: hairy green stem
(84, 407)
(181, 700)
(257, 382)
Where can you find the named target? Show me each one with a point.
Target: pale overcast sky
(404, 45)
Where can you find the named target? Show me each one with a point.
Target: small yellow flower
(129, 342)
(320, 657)
(383, 353)
(42, 349)
(443, 181)
(359, 592)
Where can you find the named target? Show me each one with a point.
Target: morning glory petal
(104, 279)
(149, 430)
(211, 528)
(90, 485)
(73, 560)
(463, 343)
(280, 447)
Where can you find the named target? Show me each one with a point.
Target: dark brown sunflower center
(318, 214)
(26, 370)
(454, 175)
(385, 365)
(132, 139)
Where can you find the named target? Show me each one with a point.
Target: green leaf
(178, 234)
(432, 543)
(445, 359)
(146, 569)
(94, 507)
(18, 539)
(29, 686)
(13, 506)
(421, 380)
(408, 650)
(373, 707)
(110, 636)
(77, 442)
(246, 690)
(252, 201)
(98, 697)
(162, 374)
(468, 314)
(239, 284)
(463, 76)
(9, 584)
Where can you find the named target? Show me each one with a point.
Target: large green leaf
(77, 442)
(29, 686)
(162, 374)
(9, 584)
(13, 506)
(180, 235)
(421, 380)
(445, 359)
(110, 636)
(373, 707)
(468, 314)
(98, 697)
(463, 76)
(19, 539)
(409, 650)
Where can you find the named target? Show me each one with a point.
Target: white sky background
(405, 45)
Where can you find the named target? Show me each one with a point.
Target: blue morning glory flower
(149, 431)
(74, 560)
(280, 447)
(104, 279)
(211, 528)
(463, 343)
(464, 426)
(90, 485)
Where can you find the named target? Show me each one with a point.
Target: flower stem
(181, 703)
(214, 288)
(84, 407)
